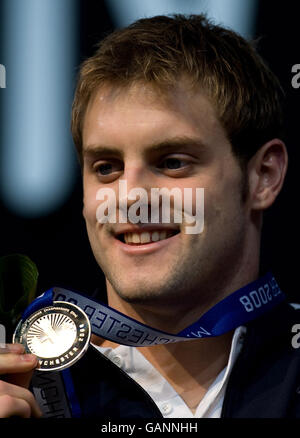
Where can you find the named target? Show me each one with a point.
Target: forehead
(142, 113)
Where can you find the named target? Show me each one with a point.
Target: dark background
(58, 243)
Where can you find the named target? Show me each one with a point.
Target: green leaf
(18, 284)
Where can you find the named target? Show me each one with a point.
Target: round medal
(58, 335)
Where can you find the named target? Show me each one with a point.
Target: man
(176, 102)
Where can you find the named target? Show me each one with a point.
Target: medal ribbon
(244, 305)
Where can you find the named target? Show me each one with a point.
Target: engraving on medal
(58, 335)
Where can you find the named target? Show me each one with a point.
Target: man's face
(152, 141)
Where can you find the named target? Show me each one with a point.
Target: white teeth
(162, 235)
(128, 237)
(135, 238)
(155, 236)
(146, 237)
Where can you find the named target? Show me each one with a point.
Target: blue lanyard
(246, 304)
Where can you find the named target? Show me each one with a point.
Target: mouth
(145, 237)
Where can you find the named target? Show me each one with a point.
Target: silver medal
(58, 335)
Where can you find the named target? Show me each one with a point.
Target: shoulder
(266, 377)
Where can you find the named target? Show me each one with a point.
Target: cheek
(89, 206)
(222, 203)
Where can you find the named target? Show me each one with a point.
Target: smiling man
(168, 142)
(177, 103)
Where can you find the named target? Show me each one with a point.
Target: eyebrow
(94, 150)
(175, 143)
(165, 146)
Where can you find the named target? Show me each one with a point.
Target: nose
(138, 181)
(135, 188)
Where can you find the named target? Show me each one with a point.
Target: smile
(145, 237)
(140, 240)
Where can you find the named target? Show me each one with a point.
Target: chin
(146, 295)
(137, 296)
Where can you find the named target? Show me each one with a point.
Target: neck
(175, 315)
(189, 366)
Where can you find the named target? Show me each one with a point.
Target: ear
(266, 172)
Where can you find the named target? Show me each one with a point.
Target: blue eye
(104, 169)
(173, 163)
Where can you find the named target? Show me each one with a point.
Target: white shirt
(164, 395)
